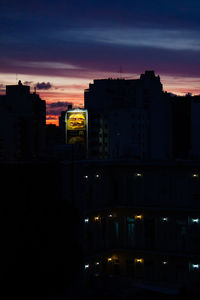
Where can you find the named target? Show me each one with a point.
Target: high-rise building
(22, 124)
(140, 224)
(128, 118)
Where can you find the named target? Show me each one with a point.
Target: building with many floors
(140, 223)
(22, 124)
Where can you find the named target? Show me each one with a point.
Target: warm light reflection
(70, 87)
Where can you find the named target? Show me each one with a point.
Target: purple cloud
(55, 108)
(43, 86)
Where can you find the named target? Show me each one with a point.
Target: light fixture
(196, 220)
(138, 174)
(97, 263)
(97, 218)
(97, 175)
(138, 217)
(109, 259)
(110, 215)
(85, 176)
(86, 220)
(195, 266)
(87, 266)
(139, 260)
(164, 219)
(164, 262)
(195, 175)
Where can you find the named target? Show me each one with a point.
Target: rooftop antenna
(120, 72)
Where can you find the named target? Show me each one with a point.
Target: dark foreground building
(40, 255)
(141, 226)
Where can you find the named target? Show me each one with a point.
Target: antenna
(120, 72)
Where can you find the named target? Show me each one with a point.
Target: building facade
(140, 223)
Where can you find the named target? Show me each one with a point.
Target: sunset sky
(61, 46)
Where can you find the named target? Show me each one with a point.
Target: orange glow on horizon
(71, 89)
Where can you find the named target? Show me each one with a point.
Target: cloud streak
(137, 37)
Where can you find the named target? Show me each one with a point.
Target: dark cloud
(28, 82)
(43, 86)
(58, 104)
(55, 108)
(58, 32)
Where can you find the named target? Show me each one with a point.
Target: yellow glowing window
(97, 218)
(109, 259)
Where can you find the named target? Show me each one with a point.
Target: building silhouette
(137, 119)
(130, 208)
(22, 125)
(138, 193)
(128, 118)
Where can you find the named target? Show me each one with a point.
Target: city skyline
(61, 47)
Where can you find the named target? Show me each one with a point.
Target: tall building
(195, 127)
(128, 118)
(138, 193)
(140, 225)
(22, 124)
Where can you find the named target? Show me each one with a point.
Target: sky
(61, 46)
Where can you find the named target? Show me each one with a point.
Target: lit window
(87, 266)
(109, 259)
(97, 176)
(97, 263)
(97, 218)
(86, 220)
(86, 176)
(164, 262)
(110, 215)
